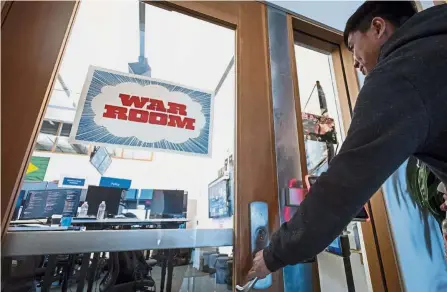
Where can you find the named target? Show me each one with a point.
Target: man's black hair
(396, 12)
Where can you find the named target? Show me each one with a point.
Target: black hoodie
(401, 111)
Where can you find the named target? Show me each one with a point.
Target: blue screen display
(218, 193)
(131, 194)
(146, 194)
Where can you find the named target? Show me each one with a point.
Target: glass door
(325, 114)
(167, 103)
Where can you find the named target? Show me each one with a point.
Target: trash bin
(221, 269)
(212, 262)
(206, 260)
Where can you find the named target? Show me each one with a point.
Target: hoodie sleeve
(389, 124)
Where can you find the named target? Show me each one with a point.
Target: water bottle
(101, 211)
(84, 210)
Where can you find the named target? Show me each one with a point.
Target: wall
(333, 278)
(417, 238)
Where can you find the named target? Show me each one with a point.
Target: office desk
(37, 228)
(111, 221)
(162, 223)
(52, 243)
(108, 223)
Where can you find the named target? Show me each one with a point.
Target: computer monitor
(131, 194)
(146, 194)
(45, 203)
(218, 198)
(169, 204)
(111, 196)
(100, 159)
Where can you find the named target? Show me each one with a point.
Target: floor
(185, 279)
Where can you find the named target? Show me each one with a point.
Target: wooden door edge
(6, 216)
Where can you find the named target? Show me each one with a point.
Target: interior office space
(178, 211)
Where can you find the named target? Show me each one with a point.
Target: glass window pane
(49, 127)
(66, 129)
(63, 146)
(45, 142)
(136, 154)
(178, 49)
(322, 119)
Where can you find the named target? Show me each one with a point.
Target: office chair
(127, 272)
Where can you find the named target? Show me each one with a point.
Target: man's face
(365, 46)
(365, 51)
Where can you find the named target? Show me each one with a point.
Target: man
(400, 111)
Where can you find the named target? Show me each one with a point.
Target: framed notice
(132, 111)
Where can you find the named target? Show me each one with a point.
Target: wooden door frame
(379, 244)
(47, 26)
(29, 68)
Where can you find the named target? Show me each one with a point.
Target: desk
(37, 228)
(52, 243)
(111, 221)
(107, 223)
(163, 223)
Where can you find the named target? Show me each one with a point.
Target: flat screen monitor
(45, 203)
(111, 196)
(146, 194)
(131, 194)
(101, 160)
(218, 198)
(169, 204)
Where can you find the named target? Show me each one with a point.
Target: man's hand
(259, 269)
(444, 205)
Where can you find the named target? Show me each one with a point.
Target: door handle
(247, 287)
(259, 235)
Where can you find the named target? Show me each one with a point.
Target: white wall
(333, 278)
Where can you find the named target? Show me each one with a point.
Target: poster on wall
(132, 111)
(74, 182)
(37, 168)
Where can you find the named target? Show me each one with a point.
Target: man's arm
(389, 124)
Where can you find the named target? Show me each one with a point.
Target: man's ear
(379, 26)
